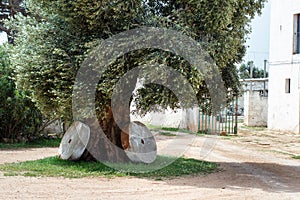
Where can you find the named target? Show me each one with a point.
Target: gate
(223, 123)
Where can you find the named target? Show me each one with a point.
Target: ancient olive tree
(53, 41)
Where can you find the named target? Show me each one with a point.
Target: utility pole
(251, 75)
(251, 69)
(265, 75)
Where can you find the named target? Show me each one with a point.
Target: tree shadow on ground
(269, 177)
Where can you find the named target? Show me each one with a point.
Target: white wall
(283, 111)
(283, 107)
(181, 118)
(255, 109)
(167, 118)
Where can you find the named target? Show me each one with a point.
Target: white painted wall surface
(283, 111)
(256, 109)
(184, 119)
(167, 118)
(284, 107)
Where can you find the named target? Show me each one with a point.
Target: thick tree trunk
(117, 133)
(86, 141)
(110, 146)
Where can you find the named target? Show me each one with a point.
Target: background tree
(20, 120)
(52, 43)
(244, 71)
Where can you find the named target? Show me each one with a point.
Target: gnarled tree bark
(109, 142)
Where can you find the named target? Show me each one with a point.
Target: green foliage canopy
(54, 39)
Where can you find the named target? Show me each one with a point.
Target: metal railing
(225, 122)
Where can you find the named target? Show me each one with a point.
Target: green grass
(153, 127)
(166, 133)
(296, 157)
(55, 167)
(170, 129)
(39, 143)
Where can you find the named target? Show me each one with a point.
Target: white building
(284, 66)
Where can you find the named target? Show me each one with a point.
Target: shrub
(20, 120)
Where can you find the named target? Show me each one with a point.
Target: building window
(288, 85)
(296, 49)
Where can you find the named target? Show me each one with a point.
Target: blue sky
(258, 41)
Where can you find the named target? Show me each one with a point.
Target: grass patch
(170, 129)
(39, 143)
(55, 167)
(167, 133)
(296, 157)
(153, 127)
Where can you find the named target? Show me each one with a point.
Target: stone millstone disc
(74, 142)
(142, 144)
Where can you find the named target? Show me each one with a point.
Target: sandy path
(19, 155)
(248, 171)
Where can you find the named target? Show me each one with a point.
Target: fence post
(236, 115)
(198, 131)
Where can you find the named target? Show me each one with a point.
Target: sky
(258, 41)
(3, 37)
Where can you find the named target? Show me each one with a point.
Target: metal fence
(223, 123)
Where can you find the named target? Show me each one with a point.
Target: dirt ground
(253, 165)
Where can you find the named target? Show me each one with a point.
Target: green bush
(20, 120)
